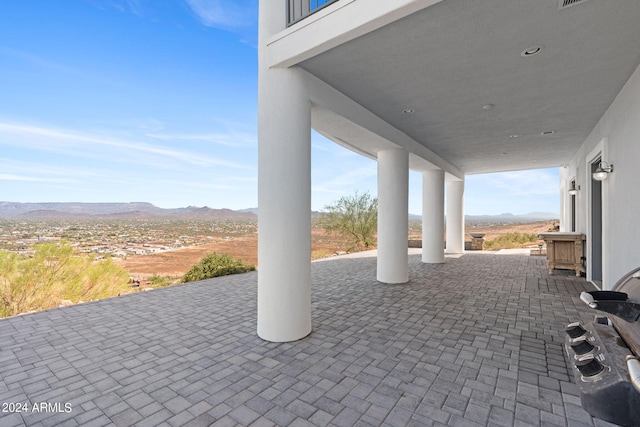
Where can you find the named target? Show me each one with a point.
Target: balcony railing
(300, 9)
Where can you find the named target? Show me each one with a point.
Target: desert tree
(355, 217)
(55, 272)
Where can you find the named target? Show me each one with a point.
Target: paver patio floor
(474, 341)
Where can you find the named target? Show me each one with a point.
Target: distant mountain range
(142, 210)
(504, 218)
(134, 210)
(511, 218)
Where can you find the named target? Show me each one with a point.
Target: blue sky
(156, 100)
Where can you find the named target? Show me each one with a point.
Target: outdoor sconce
(603, 171)
(573, 190)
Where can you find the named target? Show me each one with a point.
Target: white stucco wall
(618, 135)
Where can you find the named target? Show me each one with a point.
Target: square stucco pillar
(433, 217)
(455, 217)
(393, 216)
(284, 195)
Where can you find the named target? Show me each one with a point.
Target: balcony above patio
(297, 10)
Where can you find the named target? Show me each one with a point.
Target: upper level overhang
(486, 86)
(335, 24)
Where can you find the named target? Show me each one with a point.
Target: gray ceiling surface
(450, 60)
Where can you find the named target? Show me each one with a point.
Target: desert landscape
(324, 244)
(149, 241)
(493, 231)
(245, 247)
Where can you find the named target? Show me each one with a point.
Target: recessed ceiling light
(531, 51)
(487, 106)
(408, 111)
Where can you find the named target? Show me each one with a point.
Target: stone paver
(474, 341)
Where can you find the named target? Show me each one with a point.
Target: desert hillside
(245, 247)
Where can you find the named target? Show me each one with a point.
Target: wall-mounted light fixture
(603, 171)
(574, 190)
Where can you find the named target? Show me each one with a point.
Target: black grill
(590, 368)
(604, 354)
(575, 330)
(582, 347)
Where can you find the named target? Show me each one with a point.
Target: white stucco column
(565, 199)
(433, 217)
(455, 217)
(393, 216)
(284, 195)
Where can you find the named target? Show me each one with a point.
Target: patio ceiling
(477, 101)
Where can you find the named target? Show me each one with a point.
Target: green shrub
(510, 240)
(160, 281)
(215, 265)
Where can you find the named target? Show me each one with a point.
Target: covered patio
(446, 88)
(476, 340)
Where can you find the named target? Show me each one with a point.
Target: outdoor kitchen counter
(564, 250)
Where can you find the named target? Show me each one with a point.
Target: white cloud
(133, 6)
(330, 183)
(231, 140)
(82, 144)
(351, 177)
(527, 182)
(12, 177)
(193, 186)
(141, 125)
(327, 190)
(39, 62)
(13, 166)
(227, 14)
(516, 192)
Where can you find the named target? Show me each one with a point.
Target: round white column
(455, 217)
(433, 217)
(284, 195)
(393, 216)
